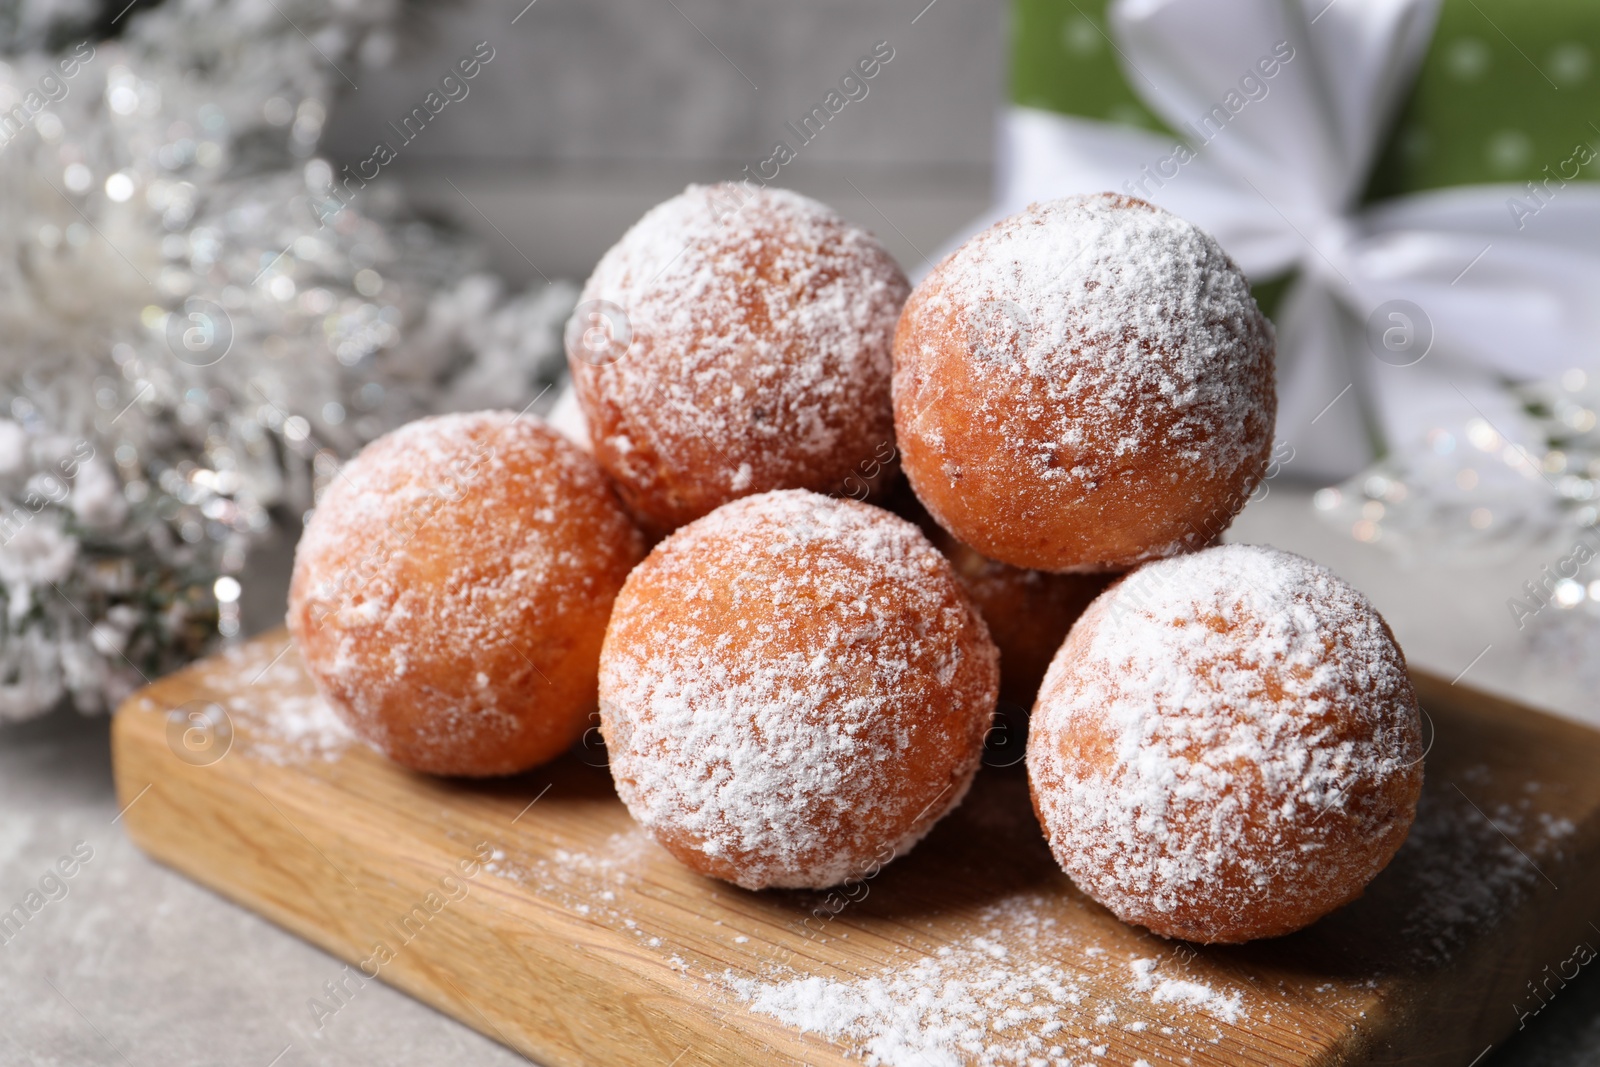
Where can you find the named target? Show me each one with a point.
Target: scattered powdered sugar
(1467, 863)
(277, 715)
(293, 730)
(795, 688)
(1029, 978)
(1020, 989)
(1183, 992)
(761, 327)
(589, 881)
(1224, 732)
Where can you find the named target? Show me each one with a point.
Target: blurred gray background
(590, 113)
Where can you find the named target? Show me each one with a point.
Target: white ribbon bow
(1276, 177)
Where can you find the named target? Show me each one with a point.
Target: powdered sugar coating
(761, 326)
(1227, 746)
(452, 589)
(794, 689)
(1028, 612)
(1083, 386)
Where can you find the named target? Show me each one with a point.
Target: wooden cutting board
(533, 910)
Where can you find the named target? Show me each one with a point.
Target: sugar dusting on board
(1021, 980)
(297, 729)
(1184, 992)
(1469, 862)
(1030, 978)
(590, 881)
(279, 717)
(1021, 988)
(1024, 987)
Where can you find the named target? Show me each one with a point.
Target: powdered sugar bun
(1084, 386)
(1028, 612)
(451, 592)
(750, 335)
(1227, 746)
(793, 690)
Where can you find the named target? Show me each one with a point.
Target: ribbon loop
(1281, 106)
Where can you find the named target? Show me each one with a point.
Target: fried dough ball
(1028, 612)
(1227, 746)
(1084, 386)
(451, 592)
(736, 340)
(793, 690)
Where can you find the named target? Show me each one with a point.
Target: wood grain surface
(533, 910)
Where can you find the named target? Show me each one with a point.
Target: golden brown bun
(1084, 386)
(793, 690)
(451, 592)
(736, 340)
(1227, 747)
(1028, 612)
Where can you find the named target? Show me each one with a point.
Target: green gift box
(1488, 106)
(1412, 185)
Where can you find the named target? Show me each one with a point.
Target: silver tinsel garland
(194, 333)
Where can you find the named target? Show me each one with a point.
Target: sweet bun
(1084, 386)
(793, 690)
(1227, 746)
(451, 592)
(736, 340)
